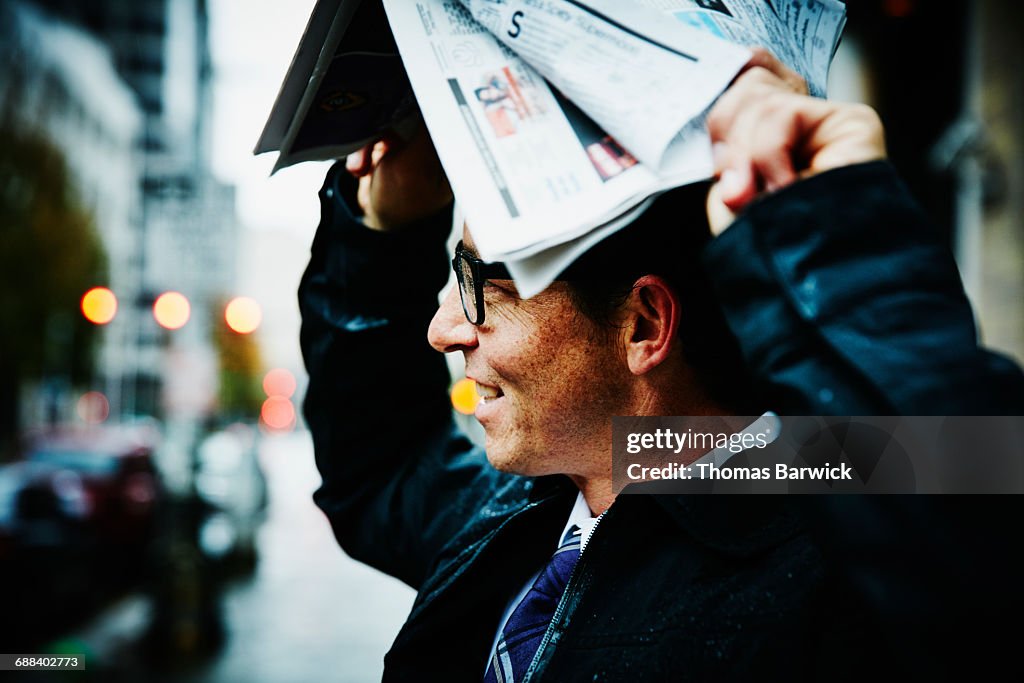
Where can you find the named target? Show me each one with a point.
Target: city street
(309, 613)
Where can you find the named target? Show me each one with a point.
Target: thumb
(360, 162)
(736, 184)
(737, 187)
(720, 216)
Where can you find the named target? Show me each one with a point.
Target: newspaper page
(345, 87)
(300, 72)
(530, 168)
(582, 47)
(545, 162)
(803, 35)
(618, 75)
(346, 84)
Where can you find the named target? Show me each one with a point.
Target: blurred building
(129, 83)
(188, 226)
(948, 81)
(59, 81)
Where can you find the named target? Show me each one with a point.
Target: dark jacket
(844, 303)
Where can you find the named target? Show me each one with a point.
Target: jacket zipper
(560, 608)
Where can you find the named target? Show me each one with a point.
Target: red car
(118, 475)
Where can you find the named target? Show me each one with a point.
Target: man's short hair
(667, 240)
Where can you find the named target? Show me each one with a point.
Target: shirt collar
(581, 517)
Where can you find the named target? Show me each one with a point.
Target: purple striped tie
(526, 626)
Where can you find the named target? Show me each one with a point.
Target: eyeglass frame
(481, 271)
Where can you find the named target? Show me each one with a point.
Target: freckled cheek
(518, 360)
(517, 371)
(536, 357)
(543, 391)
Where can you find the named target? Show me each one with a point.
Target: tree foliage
(50, 254)
(241, 387)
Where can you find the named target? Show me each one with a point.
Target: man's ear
(652, 319)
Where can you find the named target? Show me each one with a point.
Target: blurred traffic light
(899, 8)
(279, 382)
(171, 310)
(278, 414)
(93, 407)
(243, 315)
(99, 305)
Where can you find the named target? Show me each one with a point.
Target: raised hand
(400, 182)
(767, 133)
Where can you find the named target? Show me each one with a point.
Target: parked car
(49, 555)
(40, 504)
(118, 478)
(229, 479)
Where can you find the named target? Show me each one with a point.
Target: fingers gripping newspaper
(557, 121)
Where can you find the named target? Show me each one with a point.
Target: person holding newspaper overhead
(527, 565)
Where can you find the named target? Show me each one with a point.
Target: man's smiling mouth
(490, 400)
(488, 393)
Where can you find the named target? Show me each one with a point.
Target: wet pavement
(308, 613)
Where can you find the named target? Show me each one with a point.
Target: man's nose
(450, 330)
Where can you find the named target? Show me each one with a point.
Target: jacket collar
(550, 486)
(738, 525)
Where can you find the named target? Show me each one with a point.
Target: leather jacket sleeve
(399, 479)
(846, 302)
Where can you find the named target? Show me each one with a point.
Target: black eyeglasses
(471, 273)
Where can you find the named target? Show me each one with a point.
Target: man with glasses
(526, 563)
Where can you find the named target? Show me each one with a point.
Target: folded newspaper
(557, 121)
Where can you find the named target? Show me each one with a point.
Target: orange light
(279, 382)
(464, 396)
(243, 315)
(171, 310)
(93, 407)
(99, 305)
(278, 414)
